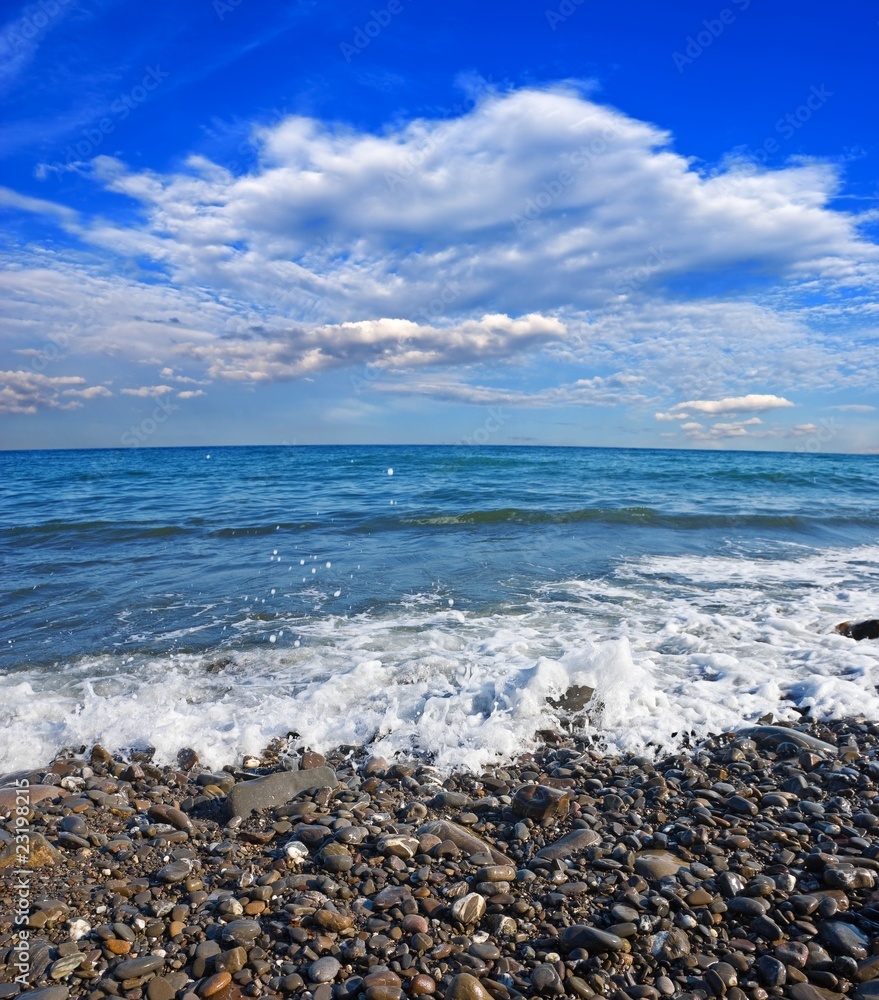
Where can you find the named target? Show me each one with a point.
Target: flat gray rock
(463, 839)
(774, 735)
(276, 789)
(571, 843)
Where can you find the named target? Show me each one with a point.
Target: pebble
(741, 869)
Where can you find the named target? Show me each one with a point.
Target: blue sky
(551, 223)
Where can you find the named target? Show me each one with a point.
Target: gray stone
(468, 843)
(773, 735)
(571, 843)
(668, 946)
(545, 979)
(46, 993)
(276, 789)
(657, 864)
(771, 971)
(324, 970)
(176, 871)
(591, 938)
(844, 939)
(134, 968)
(244, 931)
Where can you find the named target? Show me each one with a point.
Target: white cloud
(148, 390)
(388, 343)
(92, 392)
(855, 408)
(752, 403)
(28, 391)
(190, 394)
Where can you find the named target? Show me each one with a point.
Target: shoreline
(744, 867)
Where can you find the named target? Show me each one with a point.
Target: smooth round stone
(485, 951)
(545, 979)
(748, 906)
(392, 895)
(793, 953)
(657, 864)
(64, 966)
(741, 805)
(72, 839)
(216, 984)
(414, 923)
(844, 939)
(541, 801)
(46, 993)
(134, 968)
(671, 945)
(176, 871)
(591, 938)
(466, 987)
(571, 843)
(324, 970)
(351, 835)
(335, 858)
(383, 992)
(397, 845)
(496, 873)
(469, 909)
(422, 985)
(75, 824)
(160, 988)
(243, 932)
(771, 971)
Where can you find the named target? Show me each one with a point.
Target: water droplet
(390, 472)
(273, 638)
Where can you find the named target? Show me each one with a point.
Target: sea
(452, 603)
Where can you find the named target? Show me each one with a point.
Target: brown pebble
(118, 947)
(422, 985)
(211, 987)
(466, 987)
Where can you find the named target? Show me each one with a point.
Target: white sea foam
(672, 646)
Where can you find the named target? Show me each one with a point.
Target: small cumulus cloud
(145, 391)
(190, 394)
(752, 403)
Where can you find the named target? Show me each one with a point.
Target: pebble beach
(743, 867)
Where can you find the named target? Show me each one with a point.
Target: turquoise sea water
(436, 599)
